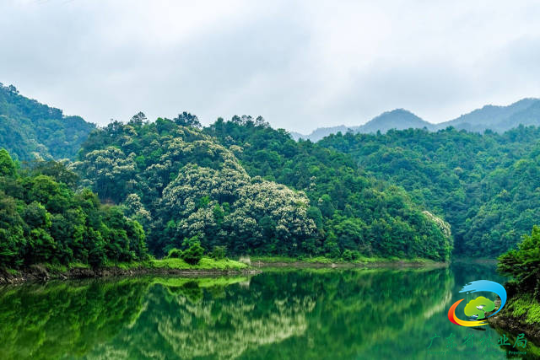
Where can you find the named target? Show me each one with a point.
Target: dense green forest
(42, 220)
(253, 189)
(485, 185)
(30, 130)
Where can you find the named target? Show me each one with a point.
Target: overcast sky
(299, 64)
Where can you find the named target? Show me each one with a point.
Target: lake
(279, 314)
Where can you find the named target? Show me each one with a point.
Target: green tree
(193, 254)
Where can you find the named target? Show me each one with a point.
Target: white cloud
(300, 64)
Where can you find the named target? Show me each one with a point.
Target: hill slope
(498, 118)
(485, 185)
(399, 119)
(30, 130)
(255, 190)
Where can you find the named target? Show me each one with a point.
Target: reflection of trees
(300, 314)
(283, 315)
(355, 310)
(58, 319)
(183, 326)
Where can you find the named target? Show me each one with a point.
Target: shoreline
(303, 264)
(514, 325)
(39, 273)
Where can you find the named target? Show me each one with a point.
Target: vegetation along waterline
(522, 311)
(173, 197)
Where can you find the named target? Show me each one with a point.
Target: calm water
(320, 314)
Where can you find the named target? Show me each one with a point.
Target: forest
(487, 186)
(248, 187)
(138, 189)
(31, 130)
(43, 220)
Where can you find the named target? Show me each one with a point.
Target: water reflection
(321, 314)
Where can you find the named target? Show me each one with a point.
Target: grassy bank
(520, 315)
(324, 261)
(176, 266)
(525, 308)
(206, 263)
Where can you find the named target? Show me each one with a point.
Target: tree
(219, 252)
(44, 221)
(7, 166)
(193, 254)
(524, 263)
(187, 119)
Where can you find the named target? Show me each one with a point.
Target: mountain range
(497, 118)
(31, 130)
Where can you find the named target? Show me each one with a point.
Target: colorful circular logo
(477, 308)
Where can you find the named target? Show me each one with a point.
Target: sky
(299, 64)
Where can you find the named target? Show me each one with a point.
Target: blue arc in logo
(485, 285)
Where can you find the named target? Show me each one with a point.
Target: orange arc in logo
(453, 318)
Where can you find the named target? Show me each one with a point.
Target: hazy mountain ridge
(31, 130)
(493, 117)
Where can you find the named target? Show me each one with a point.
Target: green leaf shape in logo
(479, 306)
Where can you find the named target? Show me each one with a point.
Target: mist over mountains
(497, 118)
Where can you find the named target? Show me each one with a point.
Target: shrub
(193, 254)
(219, 252)
(174, 254)
(347, 255)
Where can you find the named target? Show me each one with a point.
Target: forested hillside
(485, 185)
(252, 188)
(30, 130)
(42, 220)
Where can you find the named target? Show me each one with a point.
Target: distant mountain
(320, 133)
(31, 130)
(498, 118)
(398, 119)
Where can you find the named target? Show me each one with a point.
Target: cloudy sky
(299, 64)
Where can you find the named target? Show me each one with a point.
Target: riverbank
(207, 266)
(323, 262)
(520, 315)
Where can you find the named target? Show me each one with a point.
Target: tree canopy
(30, 130)
(253, 189)
(485, 185)
(43, 220)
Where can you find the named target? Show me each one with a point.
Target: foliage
(219, 252)
(188, 184)
(30, 130)
(184, 184)
(349, 208)
(174, 254)
(43, 220)
(193, 254)
(524, 307)
(524, 263)
(205, 263)
(485, 185)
